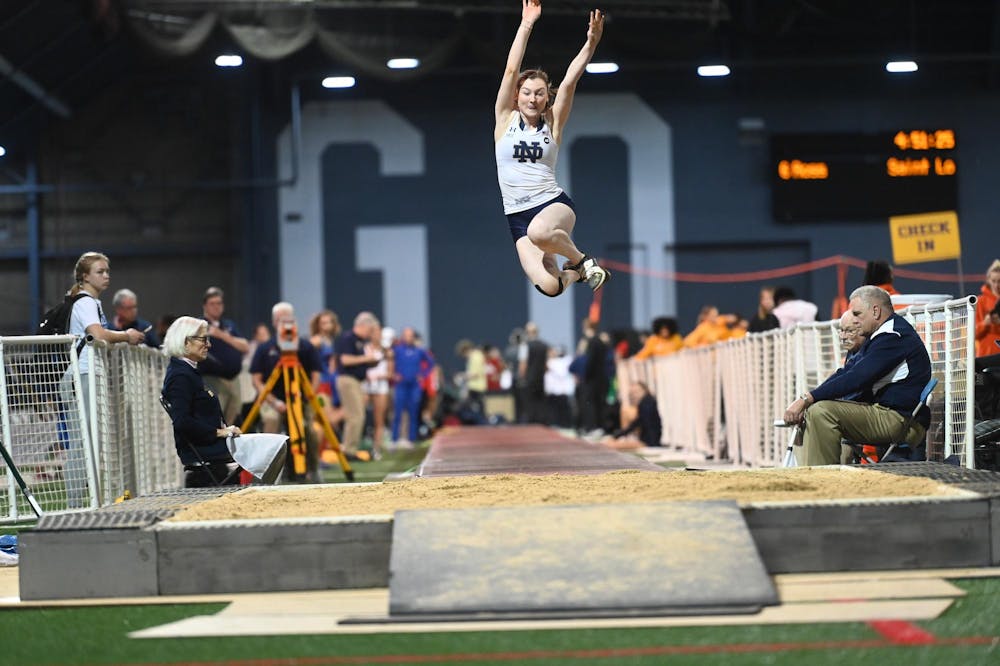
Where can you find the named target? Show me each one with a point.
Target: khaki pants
(352, 399)
(829, 421)
(271, 420)
(230, 396)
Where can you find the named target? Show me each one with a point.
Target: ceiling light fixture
(228, 60)
(402, 63)
(339, 82)
(900, 66)
(3, 151)
(602, 67)
(713, 70)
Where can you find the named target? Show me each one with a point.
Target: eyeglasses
(203, 339)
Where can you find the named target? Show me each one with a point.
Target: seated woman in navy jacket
(647, 419)
(199, 431)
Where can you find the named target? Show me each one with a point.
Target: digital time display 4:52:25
(843, 176)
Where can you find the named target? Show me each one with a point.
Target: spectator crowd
(378, 389)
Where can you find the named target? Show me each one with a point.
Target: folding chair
(794, 440)
(232, 469)
(899, 451)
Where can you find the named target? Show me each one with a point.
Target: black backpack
(52, 364)
(55, 321)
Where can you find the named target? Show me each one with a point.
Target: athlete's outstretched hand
(596, 28)
(531, 10)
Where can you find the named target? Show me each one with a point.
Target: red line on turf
(656, 650)
(901, 632)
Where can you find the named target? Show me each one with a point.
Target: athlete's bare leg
(542, 269)
(550, 231)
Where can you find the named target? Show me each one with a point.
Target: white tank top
(526, 166)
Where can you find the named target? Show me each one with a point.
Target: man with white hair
(274, 410)
(851, 337)
(353, 360)
(126, 305)
(886, 376)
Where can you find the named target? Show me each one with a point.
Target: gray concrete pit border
(128, 551)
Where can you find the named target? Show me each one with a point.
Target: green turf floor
(392, 462)
(966, 634)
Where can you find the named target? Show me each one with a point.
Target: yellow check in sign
(925, 237)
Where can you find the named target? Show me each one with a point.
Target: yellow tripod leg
(293, 413)
(255, 409)
(327, 428)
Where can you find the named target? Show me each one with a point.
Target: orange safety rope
(840, 261)
(595, 308)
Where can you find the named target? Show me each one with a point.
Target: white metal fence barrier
(721, 401)
(76, 453)
(133, 432)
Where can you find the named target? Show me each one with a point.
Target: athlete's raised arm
(564, 99)
(531, 10)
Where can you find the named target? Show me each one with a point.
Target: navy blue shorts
(519, 222)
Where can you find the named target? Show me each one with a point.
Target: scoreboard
(851, 177)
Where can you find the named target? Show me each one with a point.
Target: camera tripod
(294, 378)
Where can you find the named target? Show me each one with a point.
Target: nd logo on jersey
(524, 152)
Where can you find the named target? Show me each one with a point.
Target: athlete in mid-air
(530, 118)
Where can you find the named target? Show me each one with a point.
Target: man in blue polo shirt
(888, 373)
(225, 358)
(274, 409)
(126, 305)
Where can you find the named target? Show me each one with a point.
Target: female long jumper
(530, 118)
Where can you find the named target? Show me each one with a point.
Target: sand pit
(781, 485)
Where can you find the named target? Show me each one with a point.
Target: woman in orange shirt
(988, 313)
(664, 340)
(712, 327)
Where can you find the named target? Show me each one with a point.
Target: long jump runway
(132, 550)
(521, 450)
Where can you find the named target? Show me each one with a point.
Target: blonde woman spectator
(475, 372)
(92, 277)
(988, 313)
(764, 319)
(324, 327)
(376, 384)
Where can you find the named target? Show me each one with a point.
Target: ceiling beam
(33, 88)
(993, 74)
(712, 11)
